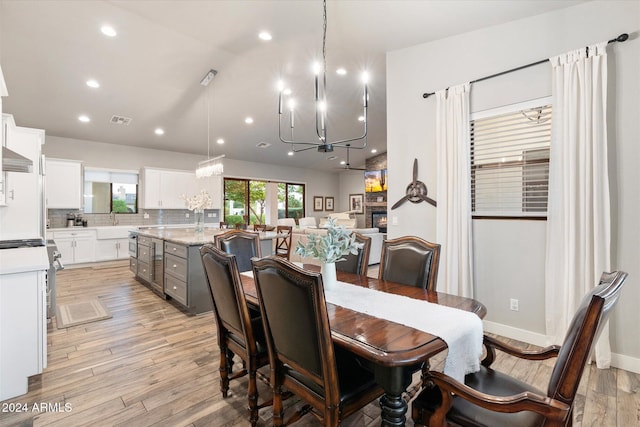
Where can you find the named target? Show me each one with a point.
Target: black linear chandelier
(323, 145)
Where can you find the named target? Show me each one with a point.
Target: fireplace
(379, 219)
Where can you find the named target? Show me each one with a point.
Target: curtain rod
(621, 38)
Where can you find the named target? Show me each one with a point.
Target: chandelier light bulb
(365, 77)
(287, 91)
(316, 68)
(291, 104)
(220, 141)
(280, 86)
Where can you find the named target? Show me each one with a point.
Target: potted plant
(329, 248)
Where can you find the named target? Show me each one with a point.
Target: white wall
(509, 256)
(103, 155)
(351, 182)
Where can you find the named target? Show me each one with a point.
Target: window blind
(510, 162)
(110, 176)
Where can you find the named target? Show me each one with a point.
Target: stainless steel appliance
(157, 254)
(133, 244)
(54, 266)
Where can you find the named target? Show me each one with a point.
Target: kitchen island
(168, 261)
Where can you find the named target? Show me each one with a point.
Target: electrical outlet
(394, 220)
(146, 215)
(186, 215)
(513, 304)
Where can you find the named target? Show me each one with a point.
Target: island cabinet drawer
(144, 272)
(144, 240)
(133, 265)
(175, 266)
(144, 254)
(174, 249)
(175, 288)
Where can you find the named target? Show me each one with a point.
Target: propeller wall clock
(416, 190)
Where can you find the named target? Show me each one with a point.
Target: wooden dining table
(391, 350)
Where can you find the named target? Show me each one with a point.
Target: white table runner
(461, 330)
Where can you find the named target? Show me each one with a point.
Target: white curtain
(578, 224)
(453, 191)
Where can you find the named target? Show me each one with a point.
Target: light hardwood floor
(152, 364)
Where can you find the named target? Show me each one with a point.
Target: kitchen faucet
(114, 220)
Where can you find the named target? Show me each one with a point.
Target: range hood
(14, 162)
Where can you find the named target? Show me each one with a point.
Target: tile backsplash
(58, 217)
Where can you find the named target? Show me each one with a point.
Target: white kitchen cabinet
(22, 215)
(64, 184)
(112, 249)
(23, 320)
(76, 246)
(163, 188)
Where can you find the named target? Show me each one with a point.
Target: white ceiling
(152, 69)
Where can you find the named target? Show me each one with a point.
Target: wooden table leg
(394, 381)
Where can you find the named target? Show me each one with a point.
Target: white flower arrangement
(200, 201)
(330, 247)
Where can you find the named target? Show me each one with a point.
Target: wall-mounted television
(375, 181)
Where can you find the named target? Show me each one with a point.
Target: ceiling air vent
(121, 120)
(263, 145)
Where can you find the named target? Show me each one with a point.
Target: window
(245, 201)
(290, 200)
(107, 191)
(510, 160)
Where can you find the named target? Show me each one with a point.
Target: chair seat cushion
(258, 334)
(353, 379)
(465, 414)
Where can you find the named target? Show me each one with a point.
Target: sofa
(300, 234)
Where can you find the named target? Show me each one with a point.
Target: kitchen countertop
(187, 236)
(22, 260)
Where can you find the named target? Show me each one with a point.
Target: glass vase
(198, 218)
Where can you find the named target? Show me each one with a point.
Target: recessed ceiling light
(248, 120)
(287, 91)
(265, 36)
(341, 71)
(361, 119)
(373, 150)
(290, 153)
(84, 119)
(108, 31)
(343, 162)
(159, 131)
(93, 83)
(220, 141)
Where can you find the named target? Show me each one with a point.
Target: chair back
(229, 303)
(283, 241)
(240, 226)
(357, 264)
(243, 244)
(583, 332)
(260, 227)
(224, 225)
(411, 261)
(296, 323)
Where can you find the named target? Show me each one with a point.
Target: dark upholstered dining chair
(238, 331)
(243, 244)
(358, 264)
(411, 261)
(491, 398)
(302, 356)
(283, 241)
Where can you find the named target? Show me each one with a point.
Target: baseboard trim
(620, 361)
(529, 337)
